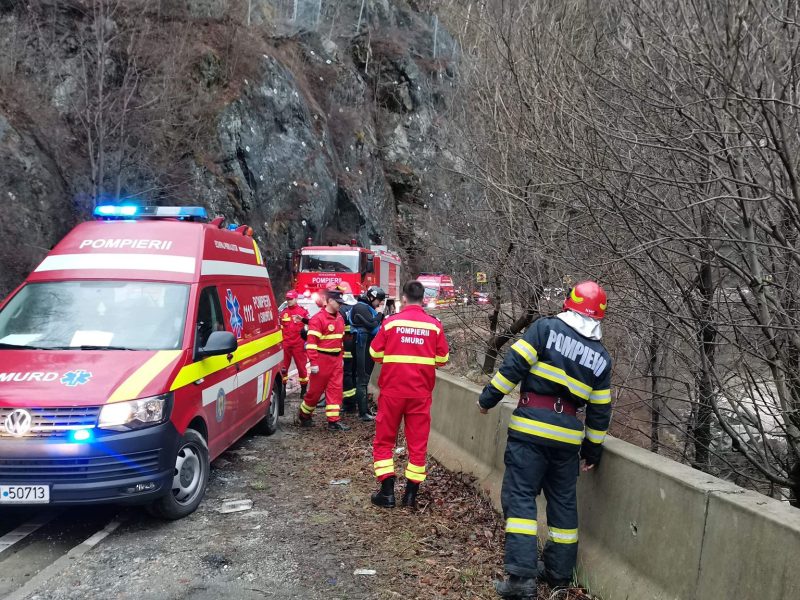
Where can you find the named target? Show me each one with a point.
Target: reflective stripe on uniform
(208, 366)
(595, 435)
(302, 379)
(526, 351)
(375, 354)
(563, 536)
(409, 360)
(383, 467)
(412, 324)
(306, 408)
(329, 350)
(314, 332)
(546, 430)
(443, 359)
(332, 336)
(502, 383)
(556, 375)
(332, 410)
(311, 347)
(348, 393)
(348, 355)
(415, 473)
(132, 387)
(600, 397)
(521, 526)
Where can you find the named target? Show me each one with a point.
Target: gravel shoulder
(303, 537)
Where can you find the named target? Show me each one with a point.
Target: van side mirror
(370, 263)
(220, 343)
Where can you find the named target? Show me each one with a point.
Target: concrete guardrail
(651, 528)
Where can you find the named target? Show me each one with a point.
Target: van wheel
(190, 480)
(269, 424)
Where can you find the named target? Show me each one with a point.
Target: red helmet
(587, 298)
(292, 295)
(335, 291)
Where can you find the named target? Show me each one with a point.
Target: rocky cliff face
(323, 124)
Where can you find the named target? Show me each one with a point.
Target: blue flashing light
(233, 227)
(81, 436)
(131, 211)
(113, 210)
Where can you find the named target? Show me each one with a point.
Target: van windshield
(95, 315)
(334, 262)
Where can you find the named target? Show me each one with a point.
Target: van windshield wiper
(5, 346)
(87, 347)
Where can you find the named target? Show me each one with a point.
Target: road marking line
(55, 569)
(20, 533)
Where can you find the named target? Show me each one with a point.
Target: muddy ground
(304, 536)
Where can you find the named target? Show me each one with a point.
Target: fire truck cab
(315, 267)
(439, 290)
(142, 347)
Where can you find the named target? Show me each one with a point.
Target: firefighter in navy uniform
(365, 321)
(562, 367)
(348, 345)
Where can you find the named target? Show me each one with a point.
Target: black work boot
(366, 417)
(385, 497)
(410, 495)
(303, 389)
(306, 423)
(337, 426)
(516, 587)
(551, 580)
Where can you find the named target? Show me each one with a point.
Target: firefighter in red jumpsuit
(411, 345)
(293, 320)
(324, 348)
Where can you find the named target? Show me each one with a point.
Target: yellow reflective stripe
(306, 408)
(375, 354)
(521, 526)
(413, 476)
(600, 397)
(259, 259)
(595, 435)
(563, 536)
(526, 351)
(332, 336)
(414, 324)
(332, 410)
(556, 375)
(348, 393)
(311, 347)
(384, 471)
(415, 468)
(209, 366)
(314, 332)
(287, 319)
(502, 383)
(389, 462)
(546, 430)
(330, 350)
(443, 359)
(302, 379)
(347, 328)
(411, 360)
(348, 355)
(141, 377)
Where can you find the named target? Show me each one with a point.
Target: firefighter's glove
(314, 369)
(591, 452)
(304, 333)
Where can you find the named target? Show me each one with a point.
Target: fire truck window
(209, 315)
(346, 262)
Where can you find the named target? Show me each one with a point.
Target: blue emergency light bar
(132, 211)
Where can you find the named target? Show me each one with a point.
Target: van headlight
(135, 414)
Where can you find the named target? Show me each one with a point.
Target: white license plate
(24, 494)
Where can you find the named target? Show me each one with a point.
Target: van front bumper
(133, 467)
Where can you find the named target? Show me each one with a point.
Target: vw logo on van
(18, 422)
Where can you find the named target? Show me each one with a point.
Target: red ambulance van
(144, 345)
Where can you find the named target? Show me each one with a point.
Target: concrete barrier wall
(651, 528)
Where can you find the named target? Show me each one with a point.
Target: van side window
(209, 315)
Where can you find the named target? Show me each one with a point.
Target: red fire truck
(439, 290)
(315, 267)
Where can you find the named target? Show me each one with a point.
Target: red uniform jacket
(325, 333)
(411, 345)
(291, 328)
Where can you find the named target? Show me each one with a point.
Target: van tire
(269, 424)
(192, 467)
